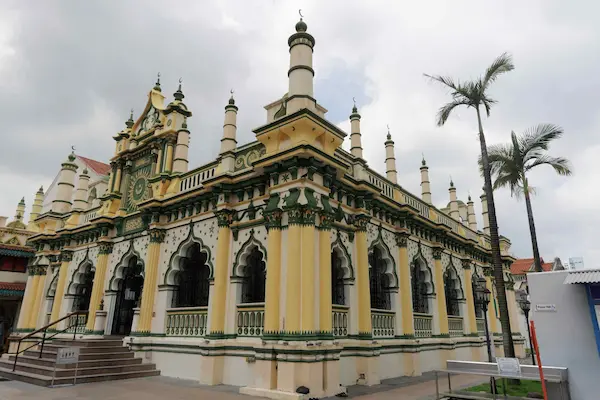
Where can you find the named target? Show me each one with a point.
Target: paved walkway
(161, 388)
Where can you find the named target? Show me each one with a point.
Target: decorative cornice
(66, 256)
(361, 221)
(437, 253)
(157, 235)
(402, 239)
(224, 218)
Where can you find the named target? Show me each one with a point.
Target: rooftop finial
(469, 197)
(179, 94)
(129, 122)
(231, 99)
(72, 155)
(354, 110)
(301, 25)
(389, 135)
(423, 163)
(157, 84)
(451, 182)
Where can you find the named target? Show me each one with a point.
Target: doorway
(128, 297)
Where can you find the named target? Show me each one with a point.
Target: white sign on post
(66, 355)
(508, 367)
(545, 307)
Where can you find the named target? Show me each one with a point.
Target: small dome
(72, 157)
(301, 26)
(85, 171)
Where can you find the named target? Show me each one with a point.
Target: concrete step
(89, 350)
(46, 362)
(49, 354)
(66, 373)
(42, 380)
(88, 343)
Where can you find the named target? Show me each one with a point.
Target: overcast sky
(70, 71)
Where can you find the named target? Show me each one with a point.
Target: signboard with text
(508, 367)
(67, 355)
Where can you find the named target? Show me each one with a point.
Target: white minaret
(64, 188)
(484, 214)
(453, 202)
(390, 159)
(80, 203)
(180, 160)
(425, 188)
(228, 142)
(20, 212)
(301, 73)
(355, 136)
(471, 215)
(36, 208)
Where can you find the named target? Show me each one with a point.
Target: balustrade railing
(340, 320)
(444, 219)
(90, 214)
(387, 189)
(481, 326)
(195, 179)
(455, 326)
(189, 321)
(250, 319)
(423, 325)
(420, 205)
(383, 323)
(77, 323)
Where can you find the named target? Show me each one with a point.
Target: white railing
(423, 325)
(383, 323)
(472, 235)
(91, 214)
(443, 219)
(387, 189)
(250, 319)
(412, 201)
(77, 322)
(195, 179)
(189, 321)
(455, 326)
(481, 326)
(340, 320)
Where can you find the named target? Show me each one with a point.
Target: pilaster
(362, 277)
(408, 330)
(440, 292)
(325, 306)
(65, 258)
(104, 250)
(157, 236)
(272, 295)
(217, 312)
(468, 275)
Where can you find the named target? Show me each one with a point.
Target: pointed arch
(390, 264)
(249, 245)
(346, 261)
(180, 255)
(52, 288)
(118, 273)
(421, 283)
(453, 289)
(383, 278)
(86, 265)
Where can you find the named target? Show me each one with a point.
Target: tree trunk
(534, 243)
(507, 339)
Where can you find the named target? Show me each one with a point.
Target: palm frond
(459, 91)
(444, 80)
(509, 181)
(445, 111)
(561, 165)
(500, 157)
(538, 138)
(501, 65)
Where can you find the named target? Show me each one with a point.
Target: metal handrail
(44, 329)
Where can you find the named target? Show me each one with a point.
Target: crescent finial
(73, 148)
(180, 80)
(354, 101)
(231, 91)
(300, 12)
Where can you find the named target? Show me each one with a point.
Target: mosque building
(284, 262)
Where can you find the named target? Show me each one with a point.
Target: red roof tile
(524, 265)
(12, 286)
(17, 247)
(98, 167)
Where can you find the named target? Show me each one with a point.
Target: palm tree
(473, 94)
(510, 162)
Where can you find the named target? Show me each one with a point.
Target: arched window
(83, 290)
(338, 295)
(453, 292)
(419, 289)
(192, 280)
(379, 281)
(254, 279)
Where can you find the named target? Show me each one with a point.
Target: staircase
(99, 360)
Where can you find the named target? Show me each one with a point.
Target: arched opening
(453, 291)
(421, 287)
(379, 281)
(82, 288)
(254, 275)
(129, 294)
(338, 289)
(192, 281)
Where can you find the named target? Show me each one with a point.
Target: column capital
(325, 220)
(273, 219)
(437, 253)
(488, 271)
(157, 235)
(224, 218)
(466, 263)
(402, 239)
(66, 256)
(361, 221)
(105, 247)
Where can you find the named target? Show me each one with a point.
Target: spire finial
(72, 155)
(179, 94)
(157, 84)
(129, 122)
(41, 189)
(469, 197)
(423, 163)
(231, 99)
(301, 25)
(389, 135)
(354, 109)
(451, 182)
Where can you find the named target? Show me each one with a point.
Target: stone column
(39, 295)
(293, 275)
(468, 274)
(151, 274)
(28, 298)
(59, 294)
(272, 295)
(405, 289)
(104, 250)
(440, 293)
(125, 185)
(169, 157)
(491, 310)
(117, 182)
(218, 308)
(362, 277)
(308, 273)
(325, 306)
